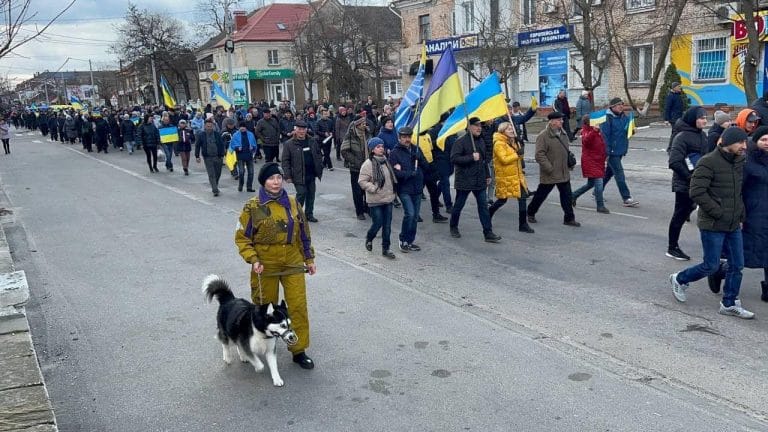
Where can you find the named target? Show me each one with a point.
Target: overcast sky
(85, 32)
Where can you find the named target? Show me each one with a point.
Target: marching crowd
(723, 173)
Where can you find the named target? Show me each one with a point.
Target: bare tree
(659, 25)
(16, 14)
(145, 34)
(213, 17)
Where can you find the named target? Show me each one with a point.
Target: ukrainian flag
(409, 104)
(169, 134)
(631, 125)
(75, 102)
(168, 98)
(444, 91)
(597, 118)
(485, 102)
(220, 97)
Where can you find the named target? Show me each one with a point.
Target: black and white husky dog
(253, 330)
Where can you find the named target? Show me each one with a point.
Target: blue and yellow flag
(75, 102)
(168, 98)
(444, 91)
(485, 102)
(169, 134)
(631, 125)
(407, 107)
(220, 97)
(597, 118)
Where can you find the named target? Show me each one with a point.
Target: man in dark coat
(673, 104)
(209, 144)
(471, 176)
(268, 132)
(302, 164)
(716, 186)
(408, 164)
(341, 126)
(687, 148)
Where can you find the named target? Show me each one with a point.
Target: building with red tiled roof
(262, 65)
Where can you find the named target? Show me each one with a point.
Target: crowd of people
(391, 168)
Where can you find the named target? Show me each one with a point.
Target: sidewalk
(24, 403)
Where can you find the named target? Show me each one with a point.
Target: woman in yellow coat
(510, 176)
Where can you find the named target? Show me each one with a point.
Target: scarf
(378, 176)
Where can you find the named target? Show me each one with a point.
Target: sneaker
(361, 217)
(736, 310)
(490, 237)
(449, 208)
(414, 247)
(404, 247)
(438, 218)
(388, 254)
(331, 169)
(532, 219)
(311, 218)
(573, 202)
(572, 223)
(629, 202)
(677, 254)
(368, 245)
(603, 210)
(455, 233)
(419, 219)
(678, 289)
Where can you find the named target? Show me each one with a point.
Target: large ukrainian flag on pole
(444, 91)
(75, 102)
(220, 97)
(485, 102)
(406, 109)
(168, 98)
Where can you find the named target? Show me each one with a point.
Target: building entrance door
(276, 92)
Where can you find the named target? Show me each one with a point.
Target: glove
(520, 151)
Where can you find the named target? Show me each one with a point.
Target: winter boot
(524, 227)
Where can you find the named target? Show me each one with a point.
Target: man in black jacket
(302, 164)
(471, 176)
(209, 143)
(268, 132)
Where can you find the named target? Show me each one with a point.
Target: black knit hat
(732, 135)
(268, 170)
(759, 132)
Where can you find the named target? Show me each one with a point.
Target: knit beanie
(721, 117)
(268, 170)
(732, 135)
(692, 114)
(373, 142)
(759, 132)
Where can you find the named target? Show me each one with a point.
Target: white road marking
(37, 141)
(595, 211)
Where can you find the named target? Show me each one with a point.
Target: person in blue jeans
(716, 186)
(614, 130)
(409, 164)
(243, 143)
(377, 179)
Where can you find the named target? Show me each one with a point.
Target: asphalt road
(563, 330)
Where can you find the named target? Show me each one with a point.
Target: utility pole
(93, 88)
(154, 75)
(228, 46)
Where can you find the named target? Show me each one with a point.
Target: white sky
(86, 30)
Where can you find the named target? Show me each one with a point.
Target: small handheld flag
(631, 125)
(534, 103)
(75, 102)
(169, 134)
(597, 118)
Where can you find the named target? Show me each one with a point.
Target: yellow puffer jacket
(274, 232)
(508, 167)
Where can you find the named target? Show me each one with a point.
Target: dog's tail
(215, 286)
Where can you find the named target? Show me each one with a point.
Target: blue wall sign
(458, 43)
(553, 75)
(543, 36)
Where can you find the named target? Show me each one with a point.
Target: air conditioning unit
(550, 7)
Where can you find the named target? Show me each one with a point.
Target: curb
(24, 401)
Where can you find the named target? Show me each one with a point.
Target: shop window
(273, 58)
(640, 63)
(710, 59)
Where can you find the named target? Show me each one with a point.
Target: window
(577, 11)
(710, 59)
(640, 4)
(640, 63)
(273, 58)
(392, 88)
(469, 16)
(383, 53)
(425, 32)
(494, 14)
(528, 11)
